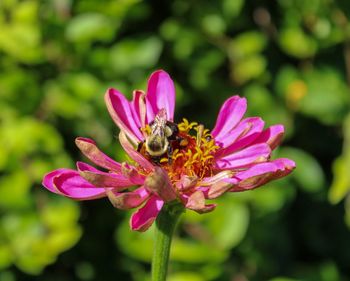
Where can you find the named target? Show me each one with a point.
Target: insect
(163, 134)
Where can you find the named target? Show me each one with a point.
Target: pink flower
(183, 161)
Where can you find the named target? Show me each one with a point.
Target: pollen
(190, 151)
(193, 154)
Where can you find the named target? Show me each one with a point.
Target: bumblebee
(161, 137)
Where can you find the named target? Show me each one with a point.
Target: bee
(159, 141)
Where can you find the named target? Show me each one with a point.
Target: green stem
(165, 226)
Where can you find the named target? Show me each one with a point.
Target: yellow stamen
(193, 152)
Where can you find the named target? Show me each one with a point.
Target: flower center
(190, 151)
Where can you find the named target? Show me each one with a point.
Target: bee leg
(170, 154)
(139, 146)
(156, 160)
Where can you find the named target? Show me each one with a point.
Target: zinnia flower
(183, 162)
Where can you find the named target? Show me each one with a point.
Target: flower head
(173, 161)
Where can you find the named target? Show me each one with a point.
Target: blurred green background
(290, 58)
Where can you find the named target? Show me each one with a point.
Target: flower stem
(165, 226)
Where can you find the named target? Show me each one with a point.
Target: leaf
(296, 43)
(90, 27)
(228, 224)
(249, 68)
(232, 9)
(340, 186)
(308, 173)
(247, 43)
(213, 24)
(14, 190)
(130, 54)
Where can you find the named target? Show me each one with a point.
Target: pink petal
(230, 114)
(102, 179)
(272, 136)
(48, 179)
(160, 94)
(253, 126)
(136, 156)
(233, 135)
(245, 157)
(120, 110)
(262, 173)
(143, 218)
(69, 183)
(90, 150)
(138, 108)
(128, 200)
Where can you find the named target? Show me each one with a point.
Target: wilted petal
(103, 179)
(245, 157)
(132, 173)
(69, 183)
(230, 114)
(136, 156)
(262, 173)
(196, 202)
(127, 200)
(160, 94)
(219, 188)
(216, 178)
(254, 127)
(143, 218)
(159, 183)
(216, 185)
(186, 182)
(90, 150)
(272, 136)
(121, 113)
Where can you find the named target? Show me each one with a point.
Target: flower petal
(69, 183)
(158, 182)
(160, 94)
(120, 110)
(48, 179)
(143, 218)
(245, 157)
(132, 174)
(207, 181)
(262, 173)
(272, 136)
(232, 136)
(219, 188)
(186, 182)
(103, 179)
(230, 114)
(136, 156)
(128, 200)
(243, 135)
(138, 108)
(196, 202)
(216, 185)
(90, 150)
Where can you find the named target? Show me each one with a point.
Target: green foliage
(289, 58)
